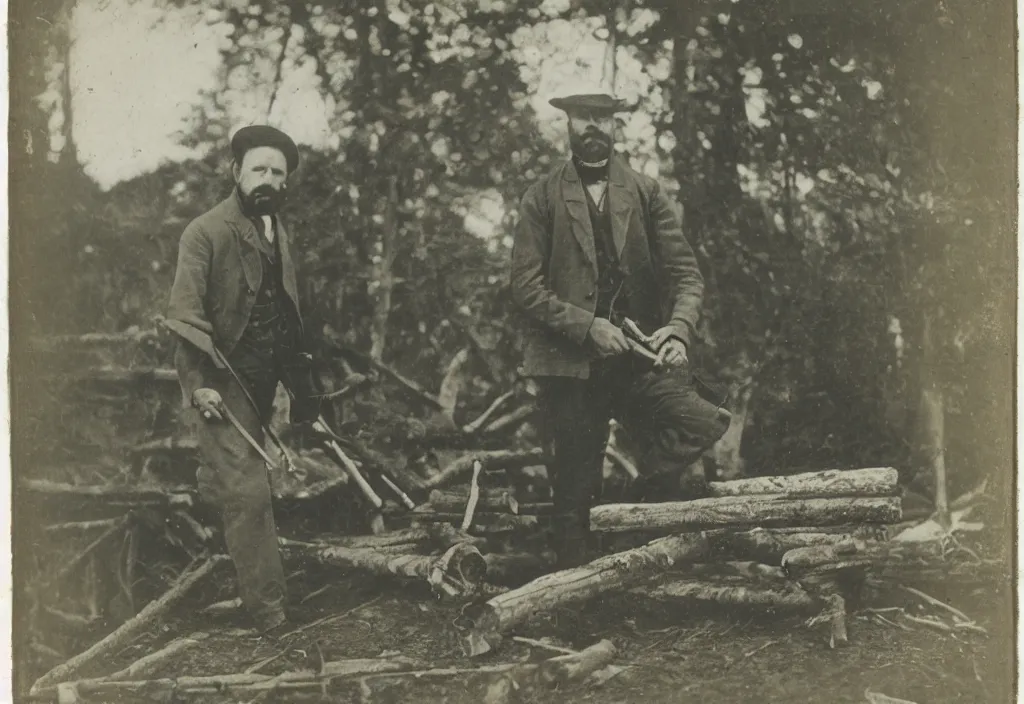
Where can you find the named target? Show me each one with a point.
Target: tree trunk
(766, 511)
(383, 279)
(455, 573)
(833, 482)
(769, 546)
(572, 586)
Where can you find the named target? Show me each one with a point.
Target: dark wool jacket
(554, 266)
(219, 273)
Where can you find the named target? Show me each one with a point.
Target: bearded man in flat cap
(235, 306)
(598, 244)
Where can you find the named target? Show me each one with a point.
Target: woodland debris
(115, 530)
(131, 629)
(474, 497)
(880, 481)
(761, 510)
(488, 621)
(769, 545)
(499, 499)
(489, 460)
(144, 666)
(158, 689)
(489, 684)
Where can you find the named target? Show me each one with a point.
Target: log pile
(472, 530)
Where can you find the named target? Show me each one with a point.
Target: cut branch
(132, 628)
(486, 416)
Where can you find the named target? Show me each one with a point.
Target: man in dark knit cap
(235, 305)
(598, 243)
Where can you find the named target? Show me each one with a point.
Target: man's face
(590, 135)
(261, 180)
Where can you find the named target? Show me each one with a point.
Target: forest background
(845, 173)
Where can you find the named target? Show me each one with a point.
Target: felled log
(499, 500)
(488, 684)
(439, 535)
(881, 481)
(695, 592)
(483, 523)
(107, 689)
(109, 495)
(885, 559)
(743, 569)
(124, 375)
(457, 572)
(611, 572)
(764, 510)
(144, 666)
(81, 526)
(489, 460)
(769, 545)
(131, 629)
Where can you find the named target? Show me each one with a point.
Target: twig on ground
(931, 623)
(314, 594)
(327, 619)
(542, 644)
(935, 602)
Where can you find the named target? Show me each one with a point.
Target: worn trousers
(233, 479)
(659, 407)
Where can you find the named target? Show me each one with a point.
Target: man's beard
(591, 147)
(262, 200)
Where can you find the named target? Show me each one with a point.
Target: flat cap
(252, 136)
(591, 102)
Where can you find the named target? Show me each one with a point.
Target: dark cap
(252, 136)
(591, 102)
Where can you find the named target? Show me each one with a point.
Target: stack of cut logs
(802, 542)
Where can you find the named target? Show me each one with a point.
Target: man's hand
(672, 354)
(608, 339)
(209, 403)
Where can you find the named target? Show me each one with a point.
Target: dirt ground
(670, 654)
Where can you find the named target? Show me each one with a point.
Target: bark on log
(122, 375)
(880, 481)
(132, 628)
(483, 523)
(489, 684)
(691, 591)
(180, 495)
(144, 666)
(456, 573)
(769, 545)
(609, 573)
(500, 500)
(888, 559)
(743, 511)
(490, 459)
(440, 535)
(158, 689)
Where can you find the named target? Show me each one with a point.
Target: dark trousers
(661, 410)
(233, 478)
